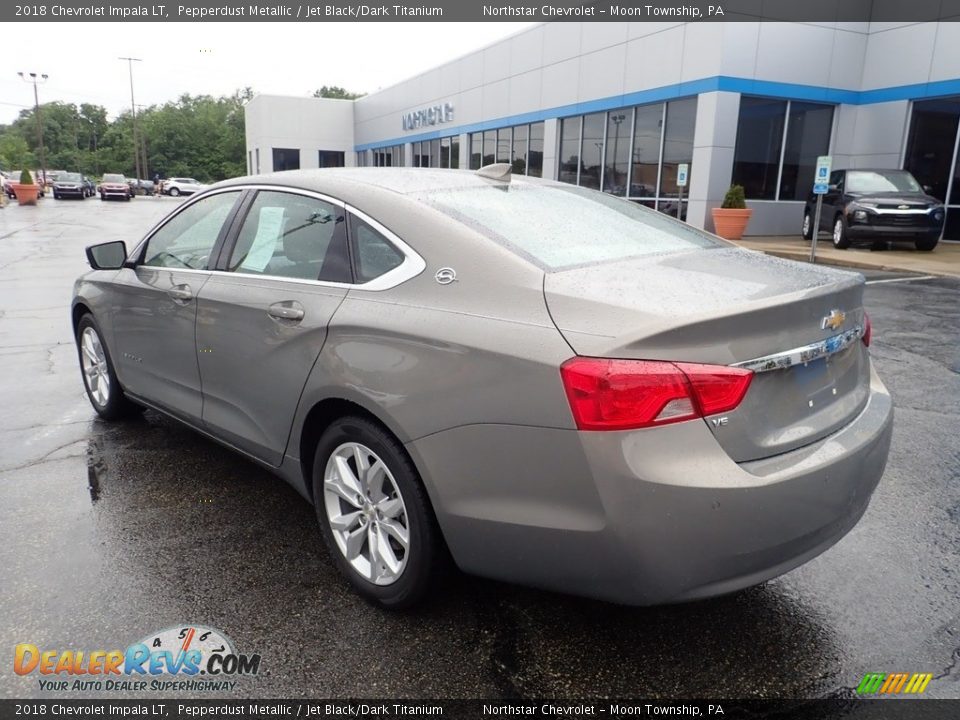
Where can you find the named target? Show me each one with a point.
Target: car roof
(344, 182)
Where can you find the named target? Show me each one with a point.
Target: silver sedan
(549, 385)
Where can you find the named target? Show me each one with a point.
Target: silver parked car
(550, 385)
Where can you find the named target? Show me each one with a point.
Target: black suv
(878, 204)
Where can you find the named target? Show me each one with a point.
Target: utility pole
(33, 78)
(143, 145)
(133, 107)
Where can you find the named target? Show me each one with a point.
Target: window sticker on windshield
(269, 225)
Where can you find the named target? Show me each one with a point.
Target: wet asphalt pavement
(111, 531)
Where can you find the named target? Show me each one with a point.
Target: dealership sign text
(433, 115)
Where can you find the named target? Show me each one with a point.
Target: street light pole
(133, 108)
(32, 78)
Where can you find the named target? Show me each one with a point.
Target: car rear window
(559, 227)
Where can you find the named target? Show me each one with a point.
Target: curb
(804, 257)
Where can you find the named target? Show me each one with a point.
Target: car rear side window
(373, 254)
(187, 240)
(292, 236)
(558, 227)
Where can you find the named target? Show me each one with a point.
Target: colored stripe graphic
(894, 683)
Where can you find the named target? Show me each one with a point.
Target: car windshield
(70, 177)
(881, 181)
(559, 227)
(114, 178)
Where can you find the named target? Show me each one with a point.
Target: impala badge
(833, 321)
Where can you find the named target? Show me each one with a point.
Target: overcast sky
(217, 58)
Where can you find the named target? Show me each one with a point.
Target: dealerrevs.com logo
(188, 657)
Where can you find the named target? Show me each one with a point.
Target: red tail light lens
(610, 394)
(867, 329)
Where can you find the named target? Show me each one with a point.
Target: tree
(14, 151)
(199, 136)
(336, 92)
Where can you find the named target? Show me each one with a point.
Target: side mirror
(107, 256)
(833, 187)
(928, 189)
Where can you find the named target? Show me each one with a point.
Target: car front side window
(186, 241)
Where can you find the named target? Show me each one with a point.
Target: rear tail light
(609, 394)
(867, 329)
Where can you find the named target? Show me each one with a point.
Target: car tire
(840, 239)
(174, 192)
(411, 576)
(99, 377)
(806, 229)
(926, 244)
(103, 196)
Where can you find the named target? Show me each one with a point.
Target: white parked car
(182, 186)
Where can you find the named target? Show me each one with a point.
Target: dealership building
(620, 106)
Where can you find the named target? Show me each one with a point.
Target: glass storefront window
(455, 152)
(476, 151)
(286, 159)
(504, 145)
(933, 135)
(616, 165)
(756, 159)
(489, 147)
(535, 151)
(808, 136)
(520, 150)
(592, 150)
(444, 152)
(569, 150)
(646, 151)
(677, 144)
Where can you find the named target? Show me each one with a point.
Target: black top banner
(389, 709)
(476, 10)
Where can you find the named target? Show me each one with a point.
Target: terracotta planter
(729, 223)
(26, 194)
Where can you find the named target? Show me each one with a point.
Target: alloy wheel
(95, 370)
(805, 230)
(837, 231)
(366, 513)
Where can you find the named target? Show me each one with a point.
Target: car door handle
(286, 310)
(181, 293)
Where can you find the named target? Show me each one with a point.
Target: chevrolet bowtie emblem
(833, 321)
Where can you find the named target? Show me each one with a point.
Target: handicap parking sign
(821, 180)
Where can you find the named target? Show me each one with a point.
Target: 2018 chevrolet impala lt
(560, 388)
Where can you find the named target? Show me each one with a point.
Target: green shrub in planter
(735, 198)
(26, 178)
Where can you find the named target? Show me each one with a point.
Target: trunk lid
(728, 306)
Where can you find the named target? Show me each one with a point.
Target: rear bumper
(646, 517)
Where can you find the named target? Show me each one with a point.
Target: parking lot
(113, 531)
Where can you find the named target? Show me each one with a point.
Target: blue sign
(821, 179)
